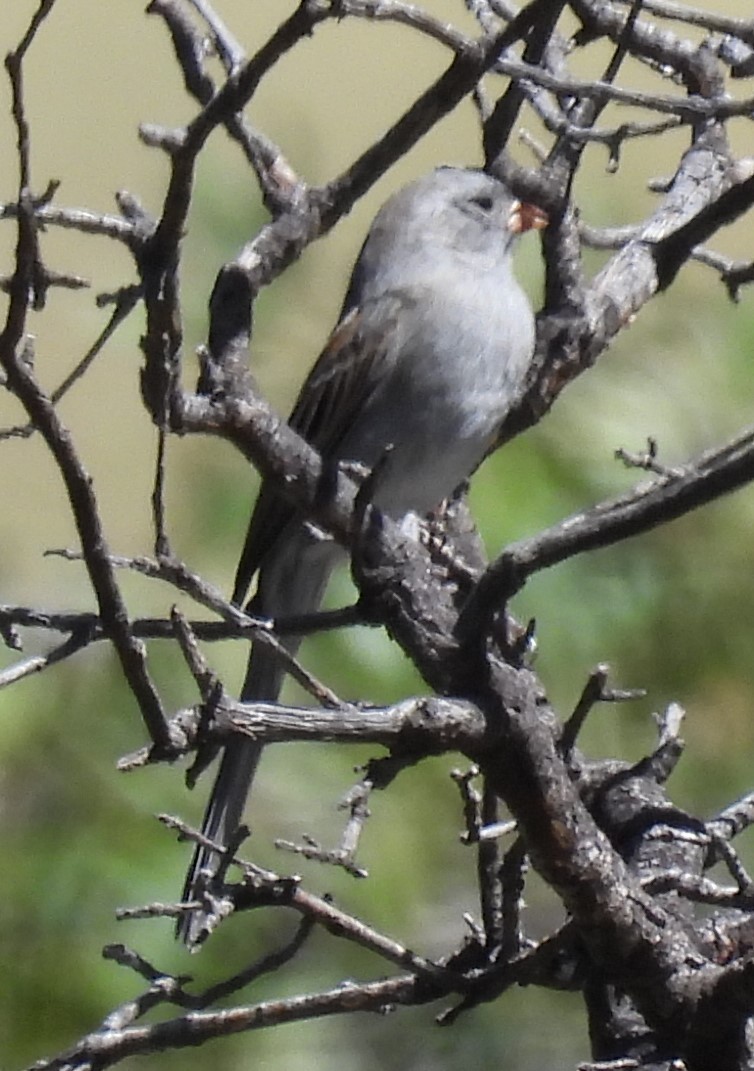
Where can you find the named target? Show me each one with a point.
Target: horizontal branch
(425, 725)
(76, 219)
(687, 108)
(104, 1048)
(707, 20)
(162, 628)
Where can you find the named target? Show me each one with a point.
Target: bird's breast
(455, 374)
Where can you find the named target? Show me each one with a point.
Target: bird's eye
(483, 201)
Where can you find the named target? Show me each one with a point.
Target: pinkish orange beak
(526, 217)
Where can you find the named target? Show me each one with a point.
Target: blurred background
(670, 612)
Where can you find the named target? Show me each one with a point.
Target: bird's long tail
(293, 582)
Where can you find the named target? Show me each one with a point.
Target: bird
(429, 354)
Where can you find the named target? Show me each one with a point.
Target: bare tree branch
(660, 979)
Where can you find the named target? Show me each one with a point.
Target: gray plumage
(430, 352)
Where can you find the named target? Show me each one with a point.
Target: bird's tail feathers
(298, 580)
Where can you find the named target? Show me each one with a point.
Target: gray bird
(429, 354)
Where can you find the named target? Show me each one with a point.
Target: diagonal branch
(715, 473)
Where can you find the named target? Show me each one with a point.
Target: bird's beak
(526, 217)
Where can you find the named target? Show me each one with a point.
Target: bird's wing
(345, 375)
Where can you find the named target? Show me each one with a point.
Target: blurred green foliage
(671, 611)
